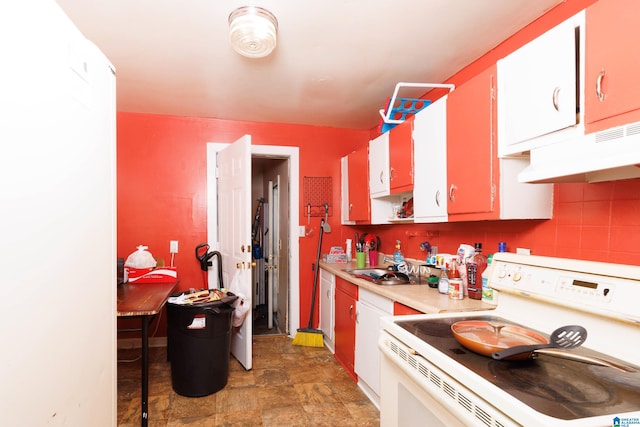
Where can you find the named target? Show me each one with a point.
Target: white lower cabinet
(370, 308)
(327, 304)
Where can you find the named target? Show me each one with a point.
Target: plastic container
(198, 346)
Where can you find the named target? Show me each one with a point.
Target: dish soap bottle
(487, 292)
(488, 295)
(397, 255)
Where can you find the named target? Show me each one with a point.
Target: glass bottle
(475, 267)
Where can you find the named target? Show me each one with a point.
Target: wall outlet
(173, 246)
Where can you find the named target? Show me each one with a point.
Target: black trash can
(199, 343)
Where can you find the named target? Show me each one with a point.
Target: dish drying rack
(406, 106)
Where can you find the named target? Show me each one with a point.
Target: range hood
(609, 155)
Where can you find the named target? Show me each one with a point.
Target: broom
(309, 336)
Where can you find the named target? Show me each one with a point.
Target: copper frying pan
(485, 338)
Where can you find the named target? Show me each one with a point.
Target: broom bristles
(309, 338)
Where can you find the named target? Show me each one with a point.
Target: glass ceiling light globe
(252, 31)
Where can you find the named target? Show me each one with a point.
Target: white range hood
(609, 155)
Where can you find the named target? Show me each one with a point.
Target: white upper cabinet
(379, 166)
(537, 88)
(430, 158)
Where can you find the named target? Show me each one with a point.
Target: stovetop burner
(556, 387)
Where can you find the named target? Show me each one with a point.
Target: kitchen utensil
(393, 278)
(485, 337)
(325, 224)
(566, 337)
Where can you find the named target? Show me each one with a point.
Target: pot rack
(391, 111)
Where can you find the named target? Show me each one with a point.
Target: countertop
(417, 296)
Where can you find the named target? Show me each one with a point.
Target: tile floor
(288, 386)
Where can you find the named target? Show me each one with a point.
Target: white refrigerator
(57, 222)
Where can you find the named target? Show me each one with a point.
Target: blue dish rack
(399, 109)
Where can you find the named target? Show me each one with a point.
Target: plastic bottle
(397, 255)
(487, 292)
(475, 267)
(454, 272)
(443, 282)
(488, 295)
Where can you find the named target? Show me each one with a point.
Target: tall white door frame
(292, 154)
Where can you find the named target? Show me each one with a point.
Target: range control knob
(517, 276)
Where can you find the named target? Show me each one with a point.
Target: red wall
(599, 222)
(162, 193)
(162, 190)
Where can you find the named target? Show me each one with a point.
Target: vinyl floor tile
(288, 386)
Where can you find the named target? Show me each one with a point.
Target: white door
(234, 234)
(273, 278)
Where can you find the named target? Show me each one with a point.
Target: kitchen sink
(380, 276)
(374, 273)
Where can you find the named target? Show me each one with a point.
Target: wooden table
(143, 300)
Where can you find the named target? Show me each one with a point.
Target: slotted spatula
(565, 337)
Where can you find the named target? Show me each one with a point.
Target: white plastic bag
(141, 258)
(242, 305)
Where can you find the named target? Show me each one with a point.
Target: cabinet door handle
(556, 92)
(438, 198)
(599, 91)
(391, 170)
(351, 311)
(452, 190)
(381, 174)
(350, 207)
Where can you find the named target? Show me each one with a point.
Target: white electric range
(429, 379)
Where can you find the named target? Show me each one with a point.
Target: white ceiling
(336, 63)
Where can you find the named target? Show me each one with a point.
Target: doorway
(289, 222)
(270, 232)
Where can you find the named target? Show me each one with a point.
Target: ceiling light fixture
(252, 31)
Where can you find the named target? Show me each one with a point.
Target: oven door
(414, 392)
